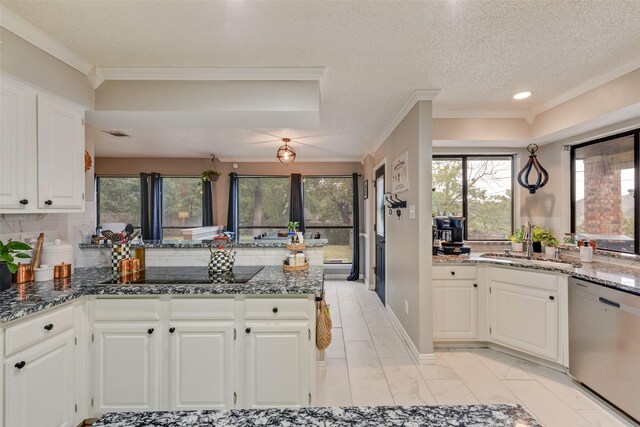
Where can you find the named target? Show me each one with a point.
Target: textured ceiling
(376, 53)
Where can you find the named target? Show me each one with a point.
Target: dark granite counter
(621, 277)
(199, 244)
(30, 298)
(433, 416)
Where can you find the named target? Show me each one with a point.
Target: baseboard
(419, 358)
(369, 285)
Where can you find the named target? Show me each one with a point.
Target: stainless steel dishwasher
(604, 343)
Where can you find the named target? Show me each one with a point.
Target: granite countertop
(198, 244)
(616, 276)
(434, 416)
(30, 298)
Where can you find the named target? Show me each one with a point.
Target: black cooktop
(185, 276)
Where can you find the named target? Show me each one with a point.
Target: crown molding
(298, 160)
(480, 114)
(416, 96)
(42, 40)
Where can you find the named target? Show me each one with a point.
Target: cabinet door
(455, 310)
(201, 365)
(276, 364)
(39, 385)
(18, 147)
(525, 318)
(126, 368)
(60, 154)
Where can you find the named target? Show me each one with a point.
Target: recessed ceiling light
(522, 95)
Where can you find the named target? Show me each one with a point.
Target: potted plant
(516, 239)
(536, 238)
(210, 174)
(7, 265)
(550, 243)
(293, 226)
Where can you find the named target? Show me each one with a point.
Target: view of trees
(181, 205)
(119, 200)
(489, 198)
(264, 201)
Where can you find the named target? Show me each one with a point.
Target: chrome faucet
(528, 238)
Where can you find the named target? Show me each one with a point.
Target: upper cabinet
(42, 145)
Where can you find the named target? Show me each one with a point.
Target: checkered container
(119, 251)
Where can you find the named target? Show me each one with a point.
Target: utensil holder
(119, 251)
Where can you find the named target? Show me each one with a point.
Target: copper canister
(61, 271)
(24, 274)
(125, 268)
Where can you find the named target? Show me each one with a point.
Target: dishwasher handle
(608, 302)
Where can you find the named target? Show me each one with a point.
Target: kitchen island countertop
(435, 416)
(30, 298)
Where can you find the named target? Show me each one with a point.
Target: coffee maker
(449, 232)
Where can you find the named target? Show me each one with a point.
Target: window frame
(162, 177)
(258, 227)
(636, 200)
(465, 207)
(97, 188)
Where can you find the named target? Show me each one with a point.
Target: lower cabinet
(126, 366)
(201, 365)
(39, 385)
(525, 318)
(277, 364)
(455, 310)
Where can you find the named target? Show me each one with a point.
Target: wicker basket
(303, 267)
(298, 247)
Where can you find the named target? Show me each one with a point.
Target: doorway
(380, 235)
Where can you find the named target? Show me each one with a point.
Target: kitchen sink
(536, 260)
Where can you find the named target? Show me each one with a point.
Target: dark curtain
(296, 205)
(155, 206)
(232, 215)
(207, 203)
(355, 265)
(145, 227)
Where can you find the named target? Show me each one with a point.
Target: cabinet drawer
(31, 331)
(126, 309)
(276, 309)
(525, 278)
(457, 272)
(202, 308)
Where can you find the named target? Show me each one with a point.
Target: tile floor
(369, 364)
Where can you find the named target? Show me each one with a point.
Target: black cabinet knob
(551, 297)
(150, 331)
(48, 327)
(24, 202)
(475, 285)
(48, 202)
(172, 330)
(20, 365)
(248, 330)
(453, 273)
(275, 309)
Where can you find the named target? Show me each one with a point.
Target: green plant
(293, 225)
(11, 249)
(543, 236)
(206, 174)
(518, 235)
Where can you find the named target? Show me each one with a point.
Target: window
(328, 210)
(181, 205)
(479, 188)
(263, 205)
(604, 183)
(118, 200)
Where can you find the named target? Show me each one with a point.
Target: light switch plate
(412, 212)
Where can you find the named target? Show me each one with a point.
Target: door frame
(382, 163)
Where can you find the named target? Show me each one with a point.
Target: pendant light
(523, 176)
(286, 154)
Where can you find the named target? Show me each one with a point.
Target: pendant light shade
(286, 154)
(524, 175)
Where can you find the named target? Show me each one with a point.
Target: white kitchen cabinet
(18, 147)
(525, 318)
(42, 146)
(60, 154)
(277, 364)
(39, 385)
(126, 366)
(201, 365)
(455, 310)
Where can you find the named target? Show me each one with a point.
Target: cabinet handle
(275, 309)
(172, 330)
(20, 365)
(453, 273)
(248, 330)
(150, 331)
(475, 285)
(48, 202)
(48, 327)
(551, 297)
(24, 202)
